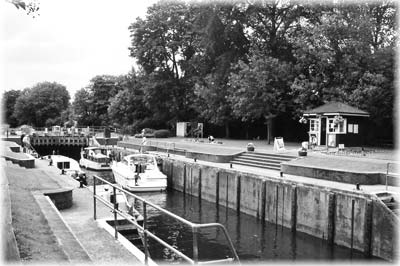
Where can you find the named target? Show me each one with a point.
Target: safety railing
(389, 173)
(145, 233)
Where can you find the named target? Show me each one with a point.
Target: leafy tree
(97, 96)
(347, 55)
(222, 43)
(44, 101)
(82, 110)
(9, 99)
(259, 89)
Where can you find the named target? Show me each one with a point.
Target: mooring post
(238, 191)
(276, 204)
(184, 178)
(352, 225)
(331, 218)
(263, 199)
(115, 212)
(293, 220)
(94, 197)
(200, 184)
(368, 228)
(217, 190)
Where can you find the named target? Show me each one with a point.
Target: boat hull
(125, 181)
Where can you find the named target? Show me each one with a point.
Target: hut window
(352, 128)
(314, 125)
(337, 127)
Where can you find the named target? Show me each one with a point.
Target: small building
(337, 123)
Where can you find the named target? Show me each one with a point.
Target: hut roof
(336, 108)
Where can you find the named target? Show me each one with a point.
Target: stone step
(256, 159)
(259, 162)
(271, 167)
(269, 155)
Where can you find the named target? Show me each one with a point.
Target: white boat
(139, 173)
(65, 164)
(95, 158)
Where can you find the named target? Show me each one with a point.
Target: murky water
(254, 241)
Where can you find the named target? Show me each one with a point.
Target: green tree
(44, 101)
(259, 89)
(9, 99)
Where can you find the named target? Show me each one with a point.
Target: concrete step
(66, 239)
(271, 167)
(258, 162)
(256, 159)
(269, 155)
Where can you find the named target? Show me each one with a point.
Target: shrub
(162, 133)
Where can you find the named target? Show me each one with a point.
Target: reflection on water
(254, 241)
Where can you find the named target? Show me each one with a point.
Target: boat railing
(146, 234)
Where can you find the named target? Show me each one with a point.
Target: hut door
(323, 131)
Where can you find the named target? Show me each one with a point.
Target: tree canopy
(42, 103)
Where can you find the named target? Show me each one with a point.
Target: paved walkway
(101, 246)
(374, 161)
(368, 189)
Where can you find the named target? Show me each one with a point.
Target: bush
(162, 133)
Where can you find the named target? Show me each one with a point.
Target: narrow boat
(66, 165)
(95, 158)
(139, 173)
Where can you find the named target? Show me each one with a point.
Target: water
(254, 241)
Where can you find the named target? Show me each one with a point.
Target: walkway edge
(67, 240)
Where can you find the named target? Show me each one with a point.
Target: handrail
(387, 173)
(143, 229)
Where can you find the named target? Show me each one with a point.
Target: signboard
(279, 144)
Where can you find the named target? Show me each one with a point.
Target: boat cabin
(96, 154)
(336, 123)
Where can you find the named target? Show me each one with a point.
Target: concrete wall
(340, 217)
(328, 174)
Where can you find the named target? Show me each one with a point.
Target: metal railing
(393, 174)
(145, 233)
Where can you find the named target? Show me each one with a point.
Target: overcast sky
(70, 42)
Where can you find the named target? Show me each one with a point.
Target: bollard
(231, 165)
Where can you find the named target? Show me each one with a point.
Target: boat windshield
(143, 160)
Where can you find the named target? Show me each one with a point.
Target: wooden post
(238, 189)
(331, 218)
(352, 225)
(200, 184)
(263, 199)
(368, 228)
(217, 190)
(276, 204)
(293, 220)
(184, 178)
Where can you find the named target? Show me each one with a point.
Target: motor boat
(95, 158)
(139, 173)
(66, 165)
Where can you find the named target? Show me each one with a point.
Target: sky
(70, 42)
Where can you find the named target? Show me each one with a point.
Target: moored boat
(139, 173)
(65, 164)
(95, 158)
